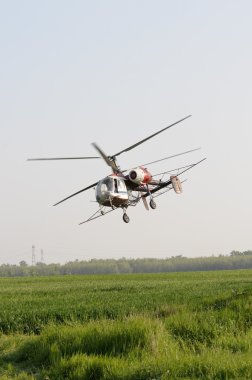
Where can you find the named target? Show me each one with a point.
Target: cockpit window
(113, 185)
(121, 186)
(116, 187)
(107, 184)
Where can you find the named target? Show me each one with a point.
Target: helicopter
(126, 188)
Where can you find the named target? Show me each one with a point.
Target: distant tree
(235, 260)
(247, 253)
(23, 263)
(235, 253)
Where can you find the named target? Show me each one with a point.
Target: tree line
(235, 260)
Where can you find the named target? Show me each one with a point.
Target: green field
(194, 325)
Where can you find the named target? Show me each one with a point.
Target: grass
(128, 327)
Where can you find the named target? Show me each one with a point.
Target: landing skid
(104, 210)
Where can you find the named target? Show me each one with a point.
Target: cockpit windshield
(111, 189)
(107, 184)
(121, 186)
(113, 185)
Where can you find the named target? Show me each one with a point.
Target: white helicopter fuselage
(111, 191)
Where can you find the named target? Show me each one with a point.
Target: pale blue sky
(114, 72)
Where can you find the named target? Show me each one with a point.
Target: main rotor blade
(147, 138)
(108, 161)
(174, 155)
(172, 170)
(78, 192)
(61, 158)
(165, 158)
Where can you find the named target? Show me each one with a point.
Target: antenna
(41, 256)
(33, 256)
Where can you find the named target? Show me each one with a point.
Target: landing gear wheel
(126, 219)
(153, 204)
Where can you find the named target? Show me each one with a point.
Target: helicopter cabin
(111, 191)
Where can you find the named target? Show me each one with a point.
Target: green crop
(152, 326)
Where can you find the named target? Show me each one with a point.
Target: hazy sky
(113, 72)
